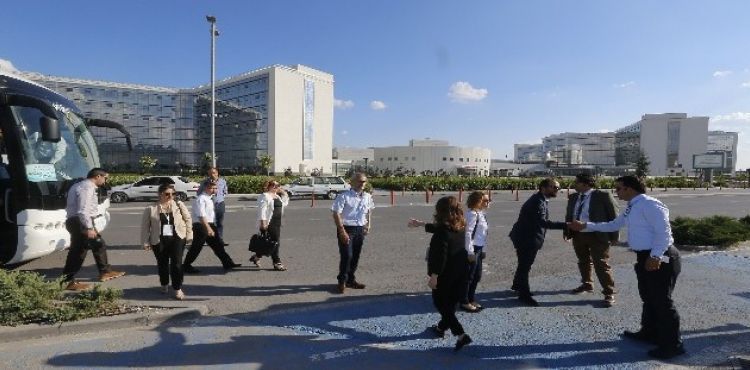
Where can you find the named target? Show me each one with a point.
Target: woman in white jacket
(270, 209)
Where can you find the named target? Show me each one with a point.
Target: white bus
(45, 146)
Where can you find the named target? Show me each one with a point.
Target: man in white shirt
(204, 231)
(658, 264)
(352, 213)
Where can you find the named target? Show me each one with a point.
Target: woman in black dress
(270, 209)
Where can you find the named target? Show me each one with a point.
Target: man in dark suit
(528, 235)
(592, 248)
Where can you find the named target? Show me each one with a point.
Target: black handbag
(262, 244)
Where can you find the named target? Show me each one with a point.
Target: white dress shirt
(203, 207)
(82, 203)
(648, 225)
(353, 207)
(480, 236)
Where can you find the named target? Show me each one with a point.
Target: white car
(148, 188)
(327, 186)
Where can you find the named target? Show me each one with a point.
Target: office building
(528, 153)
(724, 142)
(580, 149)
(432, 157)
(283, 111)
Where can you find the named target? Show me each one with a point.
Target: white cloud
(736, 116)
(722, 74)
(463, 92)
(377, 105)
(343, 104)
(7, 66)
(745, 84)
(624, 85)
(344, 132)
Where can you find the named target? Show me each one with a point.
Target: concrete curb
(130, 320)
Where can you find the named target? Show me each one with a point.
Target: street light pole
(211, 19)
(365, 158)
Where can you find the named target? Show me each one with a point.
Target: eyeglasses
(169, 194)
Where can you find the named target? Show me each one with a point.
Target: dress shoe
(517, 290)
(77, 286)
(189, 269)
(528, 300)
(462, 341)
(232, 266)
(179, 295)
(665, 353)
(609, 300)
(468, 307)
(341, 288)
(439, 333)
(640, 336)
(355, 285)
(584, 288)
(109, 275)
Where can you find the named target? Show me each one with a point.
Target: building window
(460, 159)
(413, 158)
(451, 159)
(445, 159)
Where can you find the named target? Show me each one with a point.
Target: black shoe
(439, 333)
(188, 269)
(232, 266)
(515, 289)
(462, 341)
(528, 300)
(665, 353)
(584, 288)
(640, 336)
(355, 285)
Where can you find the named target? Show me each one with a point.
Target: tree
(207, 161)
(265, 160)
(641, 165)
(147, 163)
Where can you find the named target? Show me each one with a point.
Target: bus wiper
(95, 122)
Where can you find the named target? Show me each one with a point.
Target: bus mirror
(50, 129)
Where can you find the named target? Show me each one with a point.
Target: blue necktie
(580, 207)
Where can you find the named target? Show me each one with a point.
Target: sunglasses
(169, 194)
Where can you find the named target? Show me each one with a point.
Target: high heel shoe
(255, 260)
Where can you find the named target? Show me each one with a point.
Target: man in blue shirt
(352, 211)
(658, 264)
(221, 192)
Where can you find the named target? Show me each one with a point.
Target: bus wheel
(118, 197)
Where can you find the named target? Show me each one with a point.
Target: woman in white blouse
(270, 209)
(476, 240)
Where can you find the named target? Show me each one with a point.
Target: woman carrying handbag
(165, 228)
(270, 209)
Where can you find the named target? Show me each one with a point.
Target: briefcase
(262, 244)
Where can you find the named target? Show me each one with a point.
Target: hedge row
(248, 184)
(720, 231)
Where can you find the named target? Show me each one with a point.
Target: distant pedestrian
(447, 267)
(528, 235)
(165, 228)
(271, 205)
(83, 223)
(352, 214)
(222, 190)
(204, 231)
(592, 248)
(657, 268)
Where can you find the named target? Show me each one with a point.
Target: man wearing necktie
(657, 267)
(592, 248)
(528, 236)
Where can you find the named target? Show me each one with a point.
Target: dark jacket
(447, 256)
(602, 208)
(533, 222)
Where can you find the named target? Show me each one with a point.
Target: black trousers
(274, 230)
(473, 276)
(219, 209)
(168, 255)
(526, 257)
(79, 245)
(659, 318)
(450, 288)
(349, 254)
(200, 236)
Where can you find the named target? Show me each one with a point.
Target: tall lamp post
(214, 32)
(365, 158)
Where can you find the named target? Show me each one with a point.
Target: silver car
(327, 186)
(148, 188)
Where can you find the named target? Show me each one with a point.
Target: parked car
(320, 185)
(147, 188)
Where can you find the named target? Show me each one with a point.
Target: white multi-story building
(528, 153)
(586, 149)
(283, 111)
(433, 156)
(669, 141)
(725, 142)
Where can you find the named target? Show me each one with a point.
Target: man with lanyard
(82, 223)
(205, 231)
(221, 192)
(352, 214)
(658, 264)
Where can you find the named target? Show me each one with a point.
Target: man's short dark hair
(549, 181)
(94, 172)
(585, 178)
(632, 182)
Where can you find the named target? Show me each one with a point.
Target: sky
(476, 73)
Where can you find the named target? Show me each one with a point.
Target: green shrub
(25, 297)
(720, 231)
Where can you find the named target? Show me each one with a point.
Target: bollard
(403, 191)
(426, 196)
(568, 193)
(312, 199)
(460, 195)
(489, 194)
(517, 194)
(393, 198)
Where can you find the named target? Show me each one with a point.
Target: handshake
(576, 225)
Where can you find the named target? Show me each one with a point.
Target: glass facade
(627, 145)
(673, 144)
(591, 149)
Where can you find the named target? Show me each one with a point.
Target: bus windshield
(71, 157)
